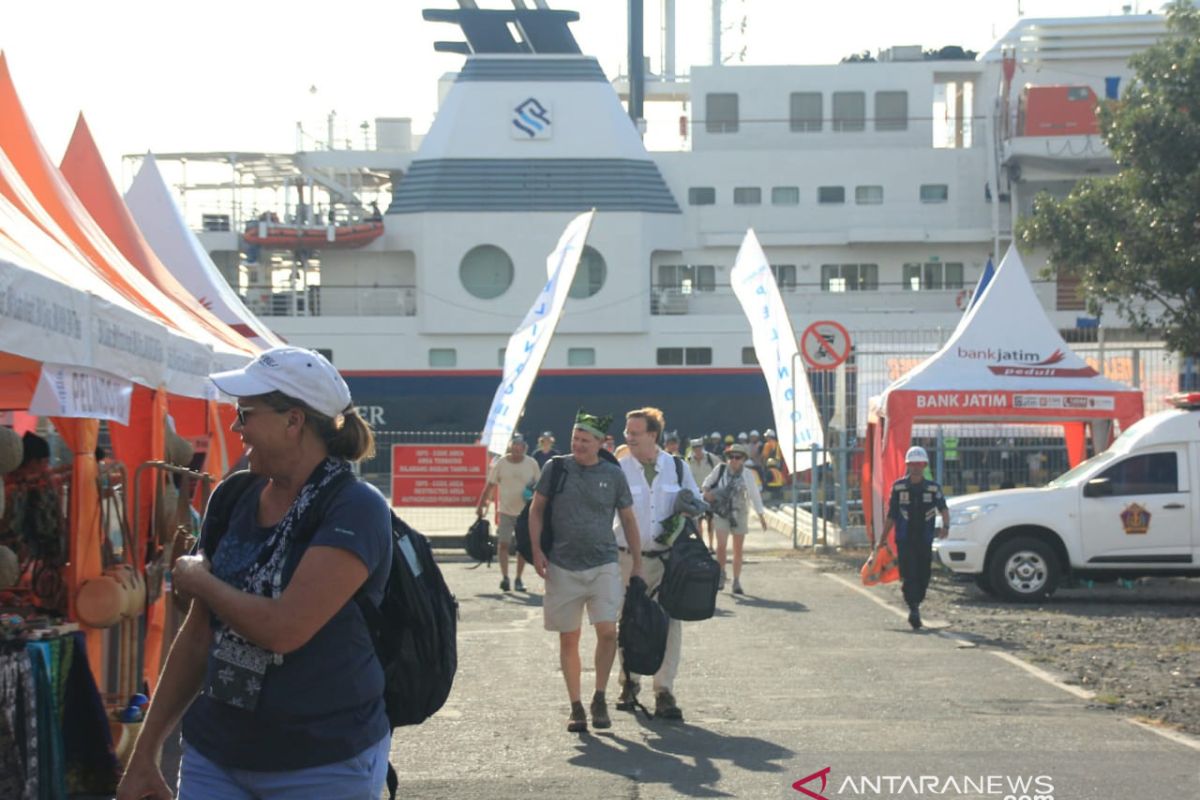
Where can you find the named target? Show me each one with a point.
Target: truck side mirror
(1098, 487)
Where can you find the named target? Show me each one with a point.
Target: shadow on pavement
(678, 755)
(514, 597)
(768, 604)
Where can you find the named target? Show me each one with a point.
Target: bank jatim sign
(438, 475)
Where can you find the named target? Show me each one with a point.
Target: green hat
(597, 426)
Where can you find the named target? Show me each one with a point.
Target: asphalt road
(802, 674)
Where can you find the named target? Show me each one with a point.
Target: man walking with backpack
(508, 478)
(701, 463)
(581, 567)
(656, 480)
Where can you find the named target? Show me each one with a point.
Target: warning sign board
(825, 344)
(438, 475)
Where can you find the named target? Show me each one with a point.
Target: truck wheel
(1023, 570)
(985, 584)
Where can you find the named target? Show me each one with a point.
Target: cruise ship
(879, 190)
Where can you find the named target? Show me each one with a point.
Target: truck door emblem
(1135, 519)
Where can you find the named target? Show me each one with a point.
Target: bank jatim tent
(1005, 363)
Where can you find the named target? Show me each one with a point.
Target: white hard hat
(916, 455)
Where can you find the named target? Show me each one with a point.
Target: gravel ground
(1136, 648)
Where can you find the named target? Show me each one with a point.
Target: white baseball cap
(302, 374)
(916, 455)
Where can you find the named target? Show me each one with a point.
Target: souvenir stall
(1005, 363)
(86, 338)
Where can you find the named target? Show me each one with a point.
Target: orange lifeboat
(312, 237)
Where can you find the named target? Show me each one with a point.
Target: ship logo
(532, 118)
(1135, 519)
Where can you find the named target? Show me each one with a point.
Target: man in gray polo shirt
(581, 568)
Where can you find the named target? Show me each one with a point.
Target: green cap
(597, 426)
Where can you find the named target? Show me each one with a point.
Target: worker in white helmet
(913, 508)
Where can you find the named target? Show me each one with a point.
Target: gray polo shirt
(583, 512)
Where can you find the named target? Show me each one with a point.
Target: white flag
(796, 420)
(527, 346)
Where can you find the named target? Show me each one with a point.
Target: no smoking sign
(825, 344)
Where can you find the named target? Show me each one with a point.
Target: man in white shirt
(654, 481)
(510, 476)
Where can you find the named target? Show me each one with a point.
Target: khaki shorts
(568, 591)
(506, 531)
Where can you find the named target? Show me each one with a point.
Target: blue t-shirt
(324, 703)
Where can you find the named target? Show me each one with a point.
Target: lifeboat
(312, 237)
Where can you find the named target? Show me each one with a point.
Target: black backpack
(688, 590)
(642, 632)
(415, 631)
(479, 544)
(558, 476)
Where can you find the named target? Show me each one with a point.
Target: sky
(230, 75)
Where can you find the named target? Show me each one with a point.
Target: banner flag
(527, 346)
(796, 419)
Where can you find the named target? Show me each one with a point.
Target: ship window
(749, 356)
(687, 278)
(831, 195)
(785, 195)
(932, 275)
(849, 111)
(697, 356)
(670, 357)
(934, 193)
(868, 195)
(747, 196)
(443, 357)
(581, 357)
(806, 112)
(589, 275)
(702, 196)
(953, 104)
(785, 276)
(721, 113)
(891, 111)
(849, 277)
(486, 271)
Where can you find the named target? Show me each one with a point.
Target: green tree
(1134, 239)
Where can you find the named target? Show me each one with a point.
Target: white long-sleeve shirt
(652, 503)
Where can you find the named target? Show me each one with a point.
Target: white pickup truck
(1131, 511)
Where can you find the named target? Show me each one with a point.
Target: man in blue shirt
(912, 509)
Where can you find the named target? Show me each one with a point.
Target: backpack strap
(221, 505)
(678, 470)
(720, 474)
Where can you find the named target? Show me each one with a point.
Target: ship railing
(336, 300)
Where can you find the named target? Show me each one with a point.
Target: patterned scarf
(265, 577)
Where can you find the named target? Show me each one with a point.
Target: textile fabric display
(18, 724)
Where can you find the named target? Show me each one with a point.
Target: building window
(670, 357)
(868, 195)
(806, 112)
(688, 278)
(849, 277)
(785, 276)
(747, 196)
(721, 113)
(891, 111)
(934, 193)
(589, 275)
(831, 195)
(443, 357)
(749, 356)
(953, 104)
(697, 356)
(932, 275)
(702, 196)
(486, 271)
(849, 111)
(785, 195)
(581, 357)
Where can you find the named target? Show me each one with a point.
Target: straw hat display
(179, 450)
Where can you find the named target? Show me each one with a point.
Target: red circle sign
(825, 344)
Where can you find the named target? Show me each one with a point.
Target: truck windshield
(1071, 474)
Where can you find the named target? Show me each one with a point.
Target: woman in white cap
(274, 673)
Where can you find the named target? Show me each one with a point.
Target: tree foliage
(1134, 239)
